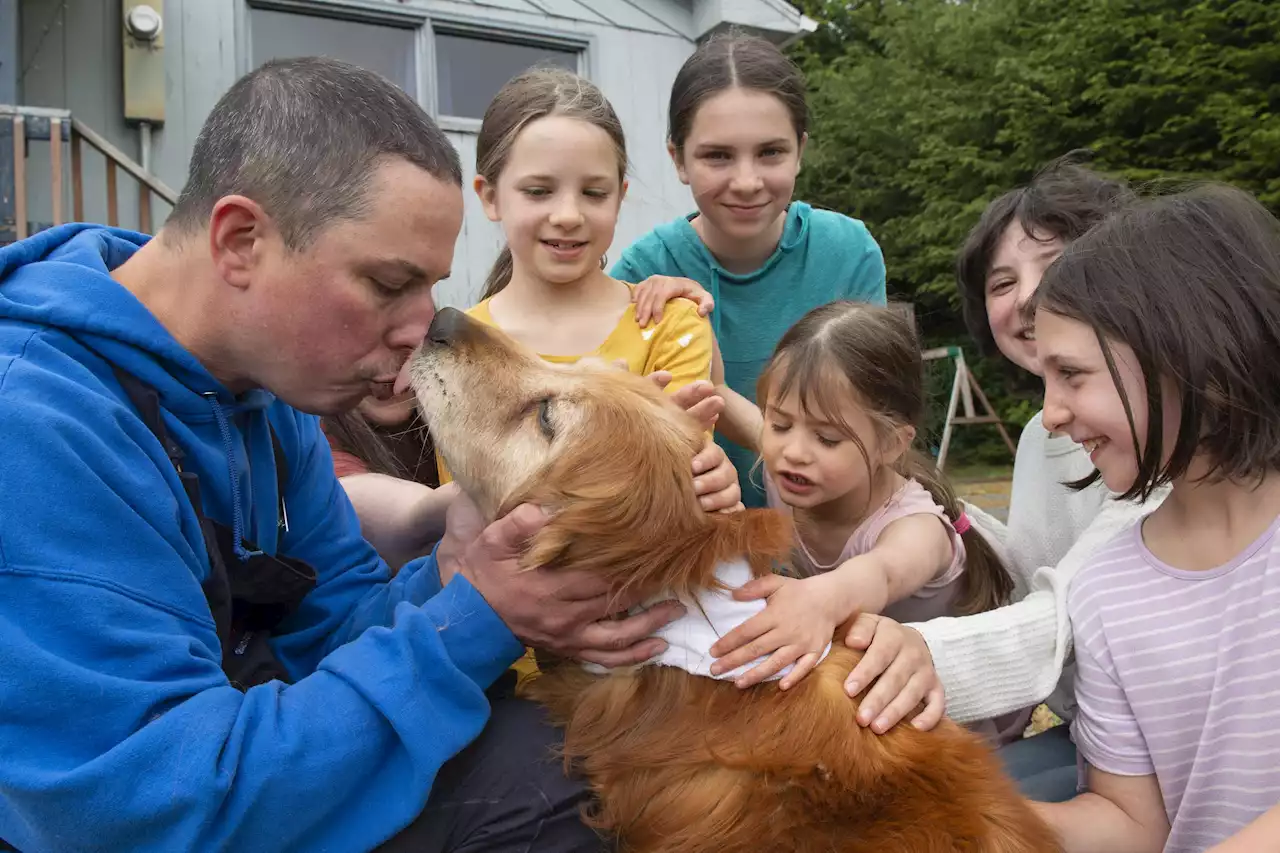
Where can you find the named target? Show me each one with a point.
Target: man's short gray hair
(302, 137)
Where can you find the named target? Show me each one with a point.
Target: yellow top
(679, 344)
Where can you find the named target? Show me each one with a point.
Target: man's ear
(238, 230)
(488, 194)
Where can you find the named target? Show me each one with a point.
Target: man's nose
(413, 318)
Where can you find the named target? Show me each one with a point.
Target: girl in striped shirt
(1159, 335)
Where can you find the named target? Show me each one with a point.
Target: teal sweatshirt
(118, 729)
(822, 256)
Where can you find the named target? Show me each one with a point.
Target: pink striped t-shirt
(1176, 675)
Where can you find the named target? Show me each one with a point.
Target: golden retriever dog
(683, 762)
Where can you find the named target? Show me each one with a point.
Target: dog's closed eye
(544, 418)
(540, 410)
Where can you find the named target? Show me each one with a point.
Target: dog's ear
(624, 507)
(621, 489)
(623, 504)
(762, 537)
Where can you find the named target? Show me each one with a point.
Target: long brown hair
(875, 351)
(350, 432)
(535, 94)
(734, 61)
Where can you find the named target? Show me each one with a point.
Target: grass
(979, 473)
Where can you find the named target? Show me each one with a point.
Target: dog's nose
(446, 327)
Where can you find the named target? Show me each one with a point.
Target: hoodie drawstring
(237, 514)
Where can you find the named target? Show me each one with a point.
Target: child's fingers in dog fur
(934, 709)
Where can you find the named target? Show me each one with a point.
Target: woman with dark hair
(384, 459)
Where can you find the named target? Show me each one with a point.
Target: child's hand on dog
(899, 667)
(794, 628)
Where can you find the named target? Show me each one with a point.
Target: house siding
(635, 48)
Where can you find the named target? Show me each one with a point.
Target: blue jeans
(1044, 765)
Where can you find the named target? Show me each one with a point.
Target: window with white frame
(390, 50)
(470, 68)
(468, 64)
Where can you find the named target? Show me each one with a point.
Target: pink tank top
(931, 601)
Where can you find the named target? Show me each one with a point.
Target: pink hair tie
(961, 524)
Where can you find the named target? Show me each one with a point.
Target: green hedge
(925, 110)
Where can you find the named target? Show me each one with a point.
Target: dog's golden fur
(681, 762)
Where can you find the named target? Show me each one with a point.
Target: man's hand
(566, 613)
(898, 661)
(656, 291)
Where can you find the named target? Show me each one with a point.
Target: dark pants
(1044, 765)
(506, 791)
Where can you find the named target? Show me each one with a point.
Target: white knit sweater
(1019, 655)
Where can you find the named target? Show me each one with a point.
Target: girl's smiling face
(740, 160)
(557, 198)
(1083, 400)
(1017, 265)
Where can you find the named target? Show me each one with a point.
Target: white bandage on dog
(708, 618)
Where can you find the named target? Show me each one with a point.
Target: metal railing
(59, 127)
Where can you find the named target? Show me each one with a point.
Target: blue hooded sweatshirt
(118, 729)
(822, 256)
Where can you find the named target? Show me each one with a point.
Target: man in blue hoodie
(198, 651)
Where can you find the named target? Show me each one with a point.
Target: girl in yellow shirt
(551, 164)
(551, 168)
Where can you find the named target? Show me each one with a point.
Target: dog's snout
(446, 327)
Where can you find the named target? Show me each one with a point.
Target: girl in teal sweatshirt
(737, 129)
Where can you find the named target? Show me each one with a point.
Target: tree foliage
(925, 110)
